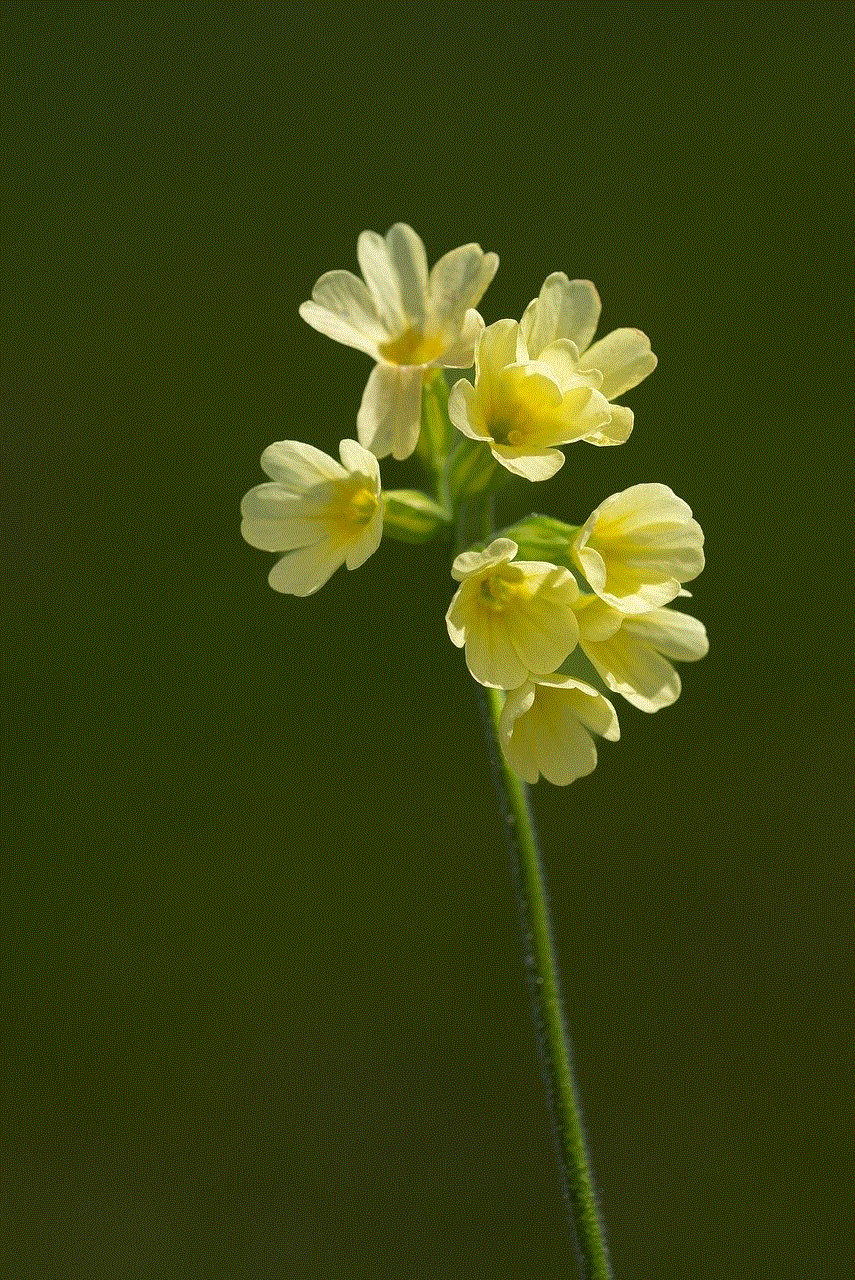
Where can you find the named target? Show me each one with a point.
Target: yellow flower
(514, 619)
(638, 547)
(321, 513)
(543, 728)
(630, 652)
(557, 328)
(521, 409)
(407, 320)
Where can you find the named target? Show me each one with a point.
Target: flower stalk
(554, 1045)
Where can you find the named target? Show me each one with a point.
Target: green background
(267, 1008)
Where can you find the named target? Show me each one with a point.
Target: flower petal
(497, 349)
(339, 330)
(389, 416)
(458, 282)
(563, 309)
(543, 629)
(375, 264)
(407, 255)
(490, 656)
(462, 409)
(531, 466)
(461, 353)
(617, 430)
(623, 357)
(358, 552)
(357, 459)
(635, 670)
(676, 635)
(298, 466)
(305, 571)
(470, 562)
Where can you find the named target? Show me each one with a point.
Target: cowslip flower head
(544, 728)
(638, 547)
(514, 618)
(522, 409)
(406, 319)
(559, 324)
(321, 513)
(630, 652)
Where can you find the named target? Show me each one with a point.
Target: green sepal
(436, 438)
(411, 516)
(542, 537)
(471, 469)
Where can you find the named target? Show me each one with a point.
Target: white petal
(562, 360)
(382, 280)
(461, 353)
(564, 309)
(407, 255)
(490, 656)
(389, 416)
(457, 617)
(469, 562)
(676, 635)
(457, 282)
(299, 466)
(347, 297)
(359, 460)
(635, 670)
(303, 572)
(623, 357)
(543, 629)
(276, 520)
(462, 409)
(339, 330)
(359, 551)
(497, 348)
(617, 430)
(531, 466)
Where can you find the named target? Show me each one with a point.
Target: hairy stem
(544, 985)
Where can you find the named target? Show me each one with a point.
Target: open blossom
(320, 513)
(638, 547)
(558, 326)
(406, 319)
(630, 652)
(522, 409)
(514, 618)
(544, 728)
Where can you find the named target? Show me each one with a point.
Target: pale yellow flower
(630, 652)
(406, 319)
(321, 513)
(514, 618)
(638, 547)
(557, 327)
(543, 728)
(522, 409)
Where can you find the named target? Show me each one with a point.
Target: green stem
(544, 985)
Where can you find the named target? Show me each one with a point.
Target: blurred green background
(267, 1008)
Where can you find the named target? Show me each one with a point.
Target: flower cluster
(553, 614)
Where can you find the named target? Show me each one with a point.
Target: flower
(543, 728)
(638, 547)
(320, 513)
(558, 325)
(514, 619)
(406, 320)
(630, 652)
(521, 409)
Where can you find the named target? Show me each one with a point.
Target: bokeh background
(267, 1014)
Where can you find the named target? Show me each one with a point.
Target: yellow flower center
(412, 348)
(506, 586)
(350, 508)
(511, 427)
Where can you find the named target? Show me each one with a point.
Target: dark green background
(268, 1016)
